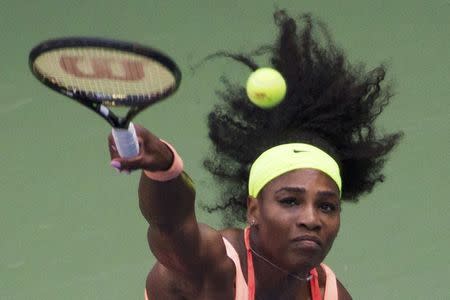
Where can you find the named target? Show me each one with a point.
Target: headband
(287, 157)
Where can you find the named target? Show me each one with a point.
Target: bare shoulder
(342, 291)
(236, 237)
(232, 234)
(212, 240)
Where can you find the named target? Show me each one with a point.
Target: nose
(309, 218)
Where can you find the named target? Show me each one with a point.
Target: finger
(140, 145)
(127, 165)
(123, 166)
(113, 153)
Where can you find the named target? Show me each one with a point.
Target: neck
(275, 284)
(272, 277)
(284, 273)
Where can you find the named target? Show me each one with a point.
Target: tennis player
(284, 171)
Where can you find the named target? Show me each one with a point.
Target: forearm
(167, 204)
(173, 234)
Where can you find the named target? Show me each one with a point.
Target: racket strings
(107, 75)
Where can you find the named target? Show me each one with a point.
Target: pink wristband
(174, 171)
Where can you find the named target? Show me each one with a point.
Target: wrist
(175, 169)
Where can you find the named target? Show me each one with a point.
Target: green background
(70, 227)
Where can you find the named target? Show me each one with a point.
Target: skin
(191, 257)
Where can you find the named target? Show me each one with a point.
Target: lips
(308, 240)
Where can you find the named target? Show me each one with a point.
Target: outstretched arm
(175, 237)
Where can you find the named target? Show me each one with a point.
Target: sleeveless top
(244, 291)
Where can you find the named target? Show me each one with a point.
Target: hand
(153, 154)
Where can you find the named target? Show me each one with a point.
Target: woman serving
(284, 171)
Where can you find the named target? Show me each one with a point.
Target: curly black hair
(330, 103)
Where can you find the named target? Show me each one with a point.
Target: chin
(306, 261)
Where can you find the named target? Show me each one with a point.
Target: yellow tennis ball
(266, 88)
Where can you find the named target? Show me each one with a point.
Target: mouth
(307, 241)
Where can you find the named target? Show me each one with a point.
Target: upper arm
(185, 272)
(192, 248)
(342, 291)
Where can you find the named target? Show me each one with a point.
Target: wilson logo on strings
(102, 68)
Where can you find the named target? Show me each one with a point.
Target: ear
(252, 209)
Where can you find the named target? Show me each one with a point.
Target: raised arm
(175, 237)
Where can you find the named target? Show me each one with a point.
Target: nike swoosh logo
(299, 151)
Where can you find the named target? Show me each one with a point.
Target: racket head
(110, 72)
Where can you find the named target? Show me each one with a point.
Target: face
(298, 217)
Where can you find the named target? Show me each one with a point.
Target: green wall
(70, 227)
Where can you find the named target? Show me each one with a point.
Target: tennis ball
(266, 88)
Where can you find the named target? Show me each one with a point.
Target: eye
(328, 207)
(289, 201)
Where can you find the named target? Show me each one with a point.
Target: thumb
(126, 164)
(123, 164)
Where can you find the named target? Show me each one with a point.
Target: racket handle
(126, 141)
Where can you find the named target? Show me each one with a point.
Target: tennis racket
(101, 74)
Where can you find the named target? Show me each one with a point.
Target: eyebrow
(328, 194)
(290, 189)
(303, 190)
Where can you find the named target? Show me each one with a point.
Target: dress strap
(331, 292)
(330, 284)
(241, 289)
(250, 269)
(314, 285)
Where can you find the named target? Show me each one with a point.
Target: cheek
(274, 226)
(272, 239)
(332, 231)
(336, 224)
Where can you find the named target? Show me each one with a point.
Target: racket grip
(126, 141)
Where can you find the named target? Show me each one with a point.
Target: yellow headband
(284, 158)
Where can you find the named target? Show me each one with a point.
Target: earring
(252, 222)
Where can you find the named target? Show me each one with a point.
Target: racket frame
(100, 103)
